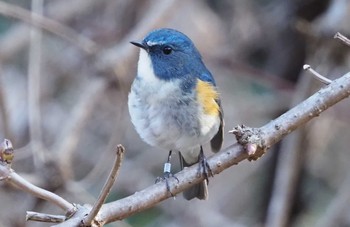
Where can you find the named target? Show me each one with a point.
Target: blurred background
(63, 103)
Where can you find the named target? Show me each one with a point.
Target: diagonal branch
(264, 137)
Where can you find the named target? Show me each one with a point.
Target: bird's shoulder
(207, 94)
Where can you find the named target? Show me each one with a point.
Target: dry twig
(317, 75)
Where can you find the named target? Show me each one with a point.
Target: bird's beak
(141, 45)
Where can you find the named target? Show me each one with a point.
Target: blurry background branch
(34, 87)
(39, 21)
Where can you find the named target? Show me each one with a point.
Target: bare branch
(107, 187)
(50, 25)
(269, 134)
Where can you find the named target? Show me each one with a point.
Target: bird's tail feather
(199, 190)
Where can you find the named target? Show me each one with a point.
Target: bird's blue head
(173, 55)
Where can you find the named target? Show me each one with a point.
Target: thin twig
(41, 217)
(14, 179)
(317, 75)
(34, 71)
(338, 35)
(50, 25)
(107, 187)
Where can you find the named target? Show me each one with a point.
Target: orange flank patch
(207, 95)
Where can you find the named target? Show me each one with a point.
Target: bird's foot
(166, 176)
(203, 167)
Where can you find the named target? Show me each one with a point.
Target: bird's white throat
(145, 68)
(152, 83)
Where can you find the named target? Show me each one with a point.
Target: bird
(174, 103)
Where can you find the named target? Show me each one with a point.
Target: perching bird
(174, 103)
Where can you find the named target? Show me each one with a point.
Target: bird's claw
(204, 168)
(165, 178)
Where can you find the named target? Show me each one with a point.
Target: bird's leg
(203, 167)
(167, 174)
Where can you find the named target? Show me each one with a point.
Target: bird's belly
(173, 124)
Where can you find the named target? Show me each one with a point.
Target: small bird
(174, 103)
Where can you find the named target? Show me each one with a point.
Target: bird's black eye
(167, 50)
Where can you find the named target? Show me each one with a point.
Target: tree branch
(264, 137)
(11, 177)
